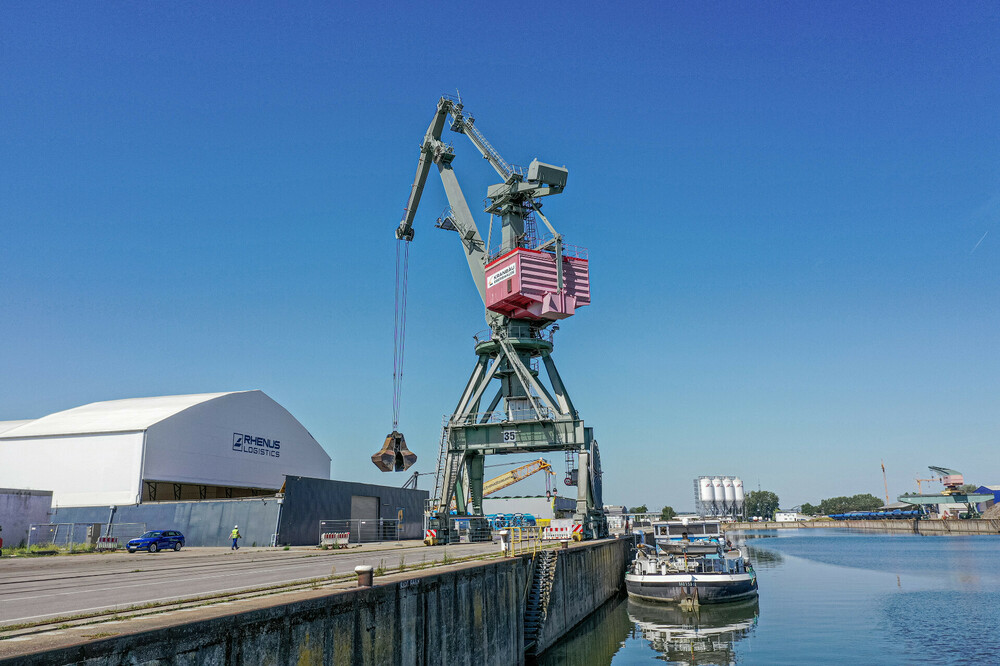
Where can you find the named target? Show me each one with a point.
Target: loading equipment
(527, 284)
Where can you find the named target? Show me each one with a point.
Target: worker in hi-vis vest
(235, 535)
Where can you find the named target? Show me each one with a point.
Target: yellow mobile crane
(513, 476)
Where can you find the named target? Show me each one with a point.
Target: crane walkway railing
(512, 416)
(539, 244)
(466, 125)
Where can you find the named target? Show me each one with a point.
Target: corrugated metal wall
(307, 501)
(18, 510)
(206, 523)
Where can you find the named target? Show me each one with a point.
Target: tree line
(762, 503)
(859, 502)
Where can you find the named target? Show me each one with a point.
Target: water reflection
(595, 640)
(704, 636)
(763, 558)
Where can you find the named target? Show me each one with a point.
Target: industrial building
(196, 463)
(180, 447)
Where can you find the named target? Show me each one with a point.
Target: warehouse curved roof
(10, 425)
(130, 415)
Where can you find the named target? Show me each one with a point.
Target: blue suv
(157, 540)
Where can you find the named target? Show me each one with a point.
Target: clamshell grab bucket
(394, 456)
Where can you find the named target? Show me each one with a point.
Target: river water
(826, 597)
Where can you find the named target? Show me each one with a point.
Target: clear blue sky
(791, 211)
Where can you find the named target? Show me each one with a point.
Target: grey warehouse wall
(19, 509)
(203, 523)
(308, 501)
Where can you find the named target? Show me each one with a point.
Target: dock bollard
(364, 575)
(564, 545)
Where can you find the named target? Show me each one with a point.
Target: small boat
(695, 566)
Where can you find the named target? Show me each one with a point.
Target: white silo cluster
(718, 496)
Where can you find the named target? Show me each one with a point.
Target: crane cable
(399, 332)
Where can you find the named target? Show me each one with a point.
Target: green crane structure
(506, 407)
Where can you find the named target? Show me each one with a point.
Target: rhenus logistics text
(261, 446)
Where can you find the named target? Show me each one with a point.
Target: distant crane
(952, 480)
(920, 489)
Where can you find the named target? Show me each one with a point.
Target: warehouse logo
(258, 446)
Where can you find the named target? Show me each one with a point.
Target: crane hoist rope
(394, 456)
(399, 327)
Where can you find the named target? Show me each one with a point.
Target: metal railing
(470, 529)
(513, 330)
(367, 530)
(124, 531)
(523, 540)
(515, 416)
(568, 250)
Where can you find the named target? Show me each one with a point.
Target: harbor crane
(953, 480)
(527, 285)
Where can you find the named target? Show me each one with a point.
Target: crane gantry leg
(534, 418)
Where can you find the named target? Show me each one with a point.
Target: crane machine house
(527, 283)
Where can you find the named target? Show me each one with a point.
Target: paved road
(33, 589)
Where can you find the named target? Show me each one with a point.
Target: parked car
(156, 540)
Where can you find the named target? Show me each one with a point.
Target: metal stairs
(439, 473)
(537, 603)
(448, 467)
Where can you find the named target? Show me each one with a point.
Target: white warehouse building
(180, 447)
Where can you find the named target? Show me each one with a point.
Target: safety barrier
(335, 539)
(107, 543)
(574, 532)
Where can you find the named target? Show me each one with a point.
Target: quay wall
(585, 577)
(472, 613)
(927, 527)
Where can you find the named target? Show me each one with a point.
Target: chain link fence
(80, 535)
(124, 532)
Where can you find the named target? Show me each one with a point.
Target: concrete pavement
(44, 588)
